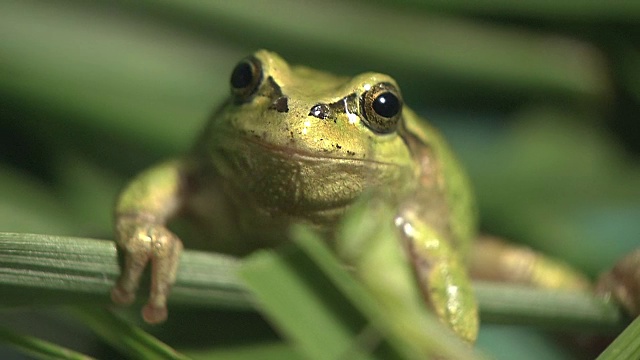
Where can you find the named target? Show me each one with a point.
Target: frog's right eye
(382, 108)
(246, 78)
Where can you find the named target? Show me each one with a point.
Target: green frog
(297, 145)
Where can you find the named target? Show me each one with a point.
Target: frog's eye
(246, 78)
(382, 107)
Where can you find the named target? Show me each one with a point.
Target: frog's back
(445, 193)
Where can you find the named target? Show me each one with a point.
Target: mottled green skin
(264, 163)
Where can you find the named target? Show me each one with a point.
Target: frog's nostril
(321, 111)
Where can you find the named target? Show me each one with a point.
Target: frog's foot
(623, 283)
(497, 260)
(141, 244)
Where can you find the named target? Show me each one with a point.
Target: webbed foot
(144, 242)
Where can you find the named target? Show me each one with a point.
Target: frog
(293, 145)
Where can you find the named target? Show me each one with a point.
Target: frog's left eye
(246, 78)
(382, 108)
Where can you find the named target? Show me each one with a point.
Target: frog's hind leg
(496, 260)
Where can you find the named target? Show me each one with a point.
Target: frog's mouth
(298, 181)
(291, 152)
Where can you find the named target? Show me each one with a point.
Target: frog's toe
(165, 259)
(122, 296)
(154, 314)
(623, 283)
(141, 244)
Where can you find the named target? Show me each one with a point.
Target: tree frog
(294, 144)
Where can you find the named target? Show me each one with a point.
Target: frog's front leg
(441, 275)
(623, 282)
(141, 214)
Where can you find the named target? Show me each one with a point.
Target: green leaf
(129, 339)
(309, 283)
(408, 326)
(568, 10)
(305, 306)
(45, 269)
(626, 346)
(39, 349)
(493, 55)
(29, 205)
(557, 309)
(262, 351)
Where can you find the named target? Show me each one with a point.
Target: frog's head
(317, 138)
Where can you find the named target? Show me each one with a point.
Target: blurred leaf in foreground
(388, 309)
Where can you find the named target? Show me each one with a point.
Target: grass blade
(124, 336)
(414, 335)
(39, 349)
(290, 288)
(45, 270)
(568, 10)
(626, 346)
(513, 304)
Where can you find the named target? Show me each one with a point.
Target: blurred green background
(540, 99)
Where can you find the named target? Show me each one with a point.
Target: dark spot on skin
(338, 146)
(281, 104)
(350, 153)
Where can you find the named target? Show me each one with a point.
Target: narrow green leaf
(501, 303)
(129, 339)
(262, 351)
(626, 346)
(26, 204)
(568, 10)
(305, 306)
(142, 81)
(45, 269)
(39, 349)
(142, 77)
(400, 317)
(504, 57)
